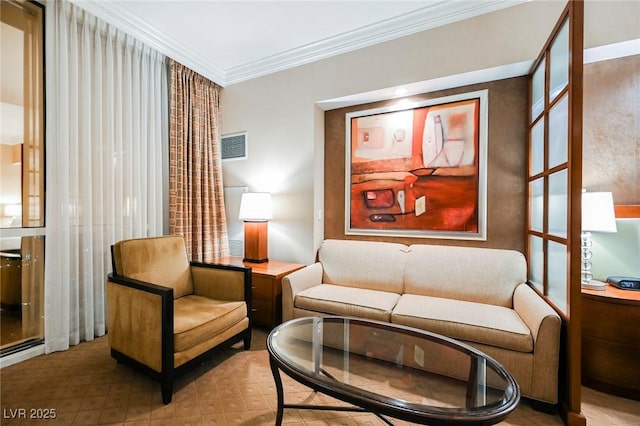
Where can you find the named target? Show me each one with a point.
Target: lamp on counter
(597, 216)
(255, 211)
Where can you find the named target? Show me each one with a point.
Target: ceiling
(232, 41)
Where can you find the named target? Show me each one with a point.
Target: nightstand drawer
(262, 311)
(262, 287)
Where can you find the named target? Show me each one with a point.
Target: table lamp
(255, 211)
(597, 216)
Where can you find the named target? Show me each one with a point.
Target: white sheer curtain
(106, 120)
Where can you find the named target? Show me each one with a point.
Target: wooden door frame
(570, 354)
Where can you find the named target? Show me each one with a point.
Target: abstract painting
(418, 170)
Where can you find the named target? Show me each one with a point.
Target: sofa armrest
(535, 312)
(140, 321)
(545, 325)
(295, 282)
(222, 282)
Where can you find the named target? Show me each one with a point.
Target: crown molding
(434, 15)
(612, 51)
(441, 83)
(153, 37)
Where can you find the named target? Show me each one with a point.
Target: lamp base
(593, 285)
(255, 260)
(255, 242)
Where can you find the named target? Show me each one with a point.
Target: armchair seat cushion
(348, 301)
(198, 318)
(470, 321)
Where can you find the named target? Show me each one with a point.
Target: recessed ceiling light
(405, 104)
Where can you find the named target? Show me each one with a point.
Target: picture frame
(418, 169)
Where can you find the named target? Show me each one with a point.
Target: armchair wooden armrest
(137, 334)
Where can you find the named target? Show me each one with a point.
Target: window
(22, 175)
(22, 115)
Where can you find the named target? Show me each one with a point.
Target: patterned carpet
(85, 386)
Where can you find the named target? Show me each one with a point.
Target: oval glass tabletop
(392, 370)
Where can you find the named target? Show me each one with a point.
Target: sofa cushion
(355, 302)
(470, 321)
(198, 318)
(363, 264)
(464, 273)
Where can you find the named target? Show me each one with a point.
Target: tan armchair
(165, 312)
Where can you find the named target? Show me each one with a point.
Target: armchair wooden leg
(167, 391)
(247, 340)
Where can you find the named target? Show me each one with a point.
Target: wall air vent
(234, 146)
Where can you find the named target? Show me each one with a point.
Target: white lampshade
(255, 207)
(598, 214)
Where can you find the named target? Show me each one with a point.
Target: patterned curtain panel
(196, 201)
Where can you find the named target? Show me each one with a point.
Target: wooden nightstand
(266, 279)
(611, 341)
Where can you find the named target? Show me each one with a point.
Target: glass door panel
(558, 132)
(537, 148)
(22, 114)
(536, 262)
(559, 63)
(558, 197)
(22, 292)
(537, 91)
(22, 175)
(557, 274)
(536, 203)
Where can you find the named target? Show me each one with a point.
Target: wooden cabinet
(266, 280)
(611, 341)
(11, 280)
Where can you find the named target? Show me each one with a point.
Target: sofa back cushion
(363, 264)
(157, 260)
(464, 273)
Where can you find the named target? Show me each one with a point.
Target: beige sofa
(476, 295)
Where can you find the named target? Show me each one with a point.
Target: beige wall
(286, 130)
(611, 139)
(611, 162)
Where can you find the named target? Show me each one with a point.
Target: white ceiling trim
(130, 24)
(436, 14)
(594, 54)
(426, 86)
(612, 51)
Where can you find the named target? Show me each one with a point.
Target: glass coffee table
(390, 370)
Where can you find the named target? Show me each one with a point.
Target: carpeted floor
(85, 386)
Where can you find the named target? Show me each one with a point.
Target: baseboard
(23, 355)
